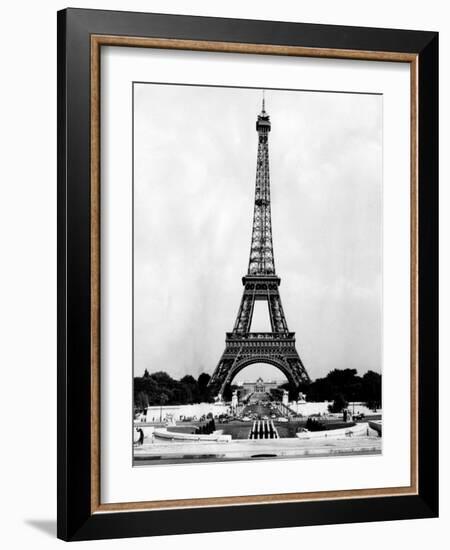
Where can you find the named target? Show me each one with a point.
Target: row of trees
(159, 388)
(343, 386)
(340, 386)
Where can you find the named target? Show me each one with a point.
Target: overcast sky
(194, 180)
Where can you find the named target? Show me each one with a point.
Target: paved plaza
(172, 452)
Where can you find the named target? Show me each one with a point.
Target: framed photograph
(247, 256)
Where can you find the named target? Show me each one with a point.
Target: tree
(276, 394)
(292, 390)
(203, 380)
(188, 379)
(163, 379)
(314, 425)
(141, 401)
(345, 382)
(371, 389)
(204, 392)
(339, 403)
(163, 398)
(228, 392)
(186, 390)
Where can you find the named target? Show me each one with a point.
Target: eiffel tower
(242, 347)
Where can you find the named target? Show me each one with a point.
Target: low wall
(359, 430)
(307, 408)
(177, 412)
(376, 425)
(162, 433)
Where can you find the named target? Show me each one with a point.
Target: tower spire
(261, 250)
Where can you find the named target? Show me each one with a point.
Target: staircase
(263, 429)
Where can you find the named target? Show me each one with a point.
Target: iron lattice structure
(242, 347)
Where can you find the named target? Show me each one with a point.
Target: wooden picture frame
(81, 35)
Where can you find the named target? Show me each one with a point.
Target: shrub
(314, 425)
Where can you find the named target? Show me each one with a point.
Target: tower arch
(244, 363)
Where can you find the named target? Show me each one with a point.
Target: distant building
(260, 386)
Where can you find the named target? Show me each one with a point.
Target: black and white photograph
(257, 274)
